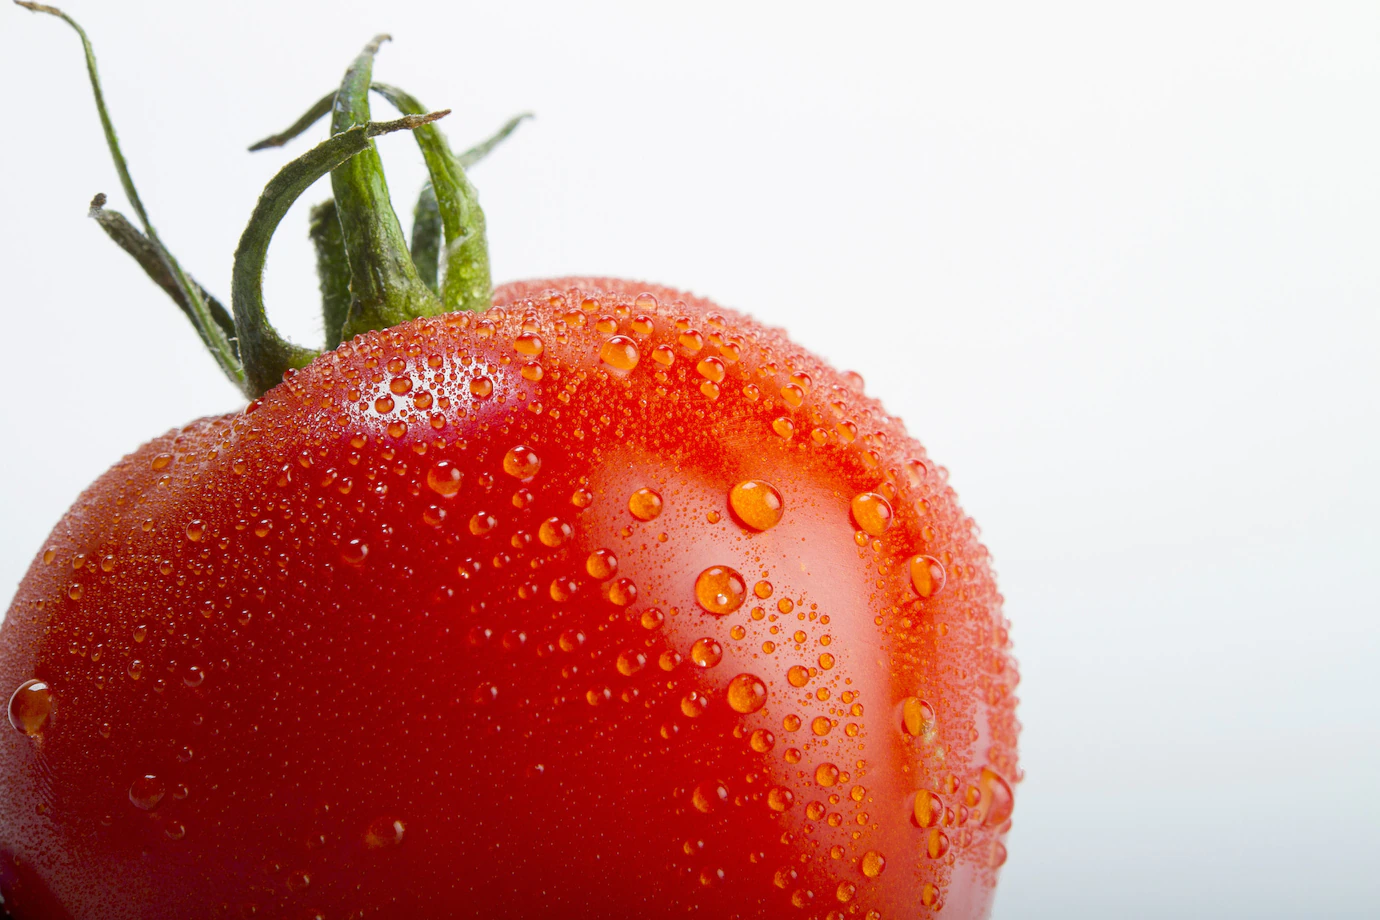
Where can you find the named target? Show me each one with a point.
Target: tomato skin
(360, 650)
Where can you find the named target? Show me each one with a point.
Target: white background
(1119, 269)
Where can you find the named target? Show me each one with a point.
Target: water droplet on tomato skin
(601, 564)
(146, 792)
(872, 513)
(383, 833)
(746, 694)
(619, 354)
(720, 590)
(926, 575)
(780, 798)
(826, 774)
(706, 652)
(521, 463)
(645, 504)
(30, 706)
(872, 864)
(995, 801)
(917, 717)
(927, 809)
(756, 504)
(709, 796)
(444, 479)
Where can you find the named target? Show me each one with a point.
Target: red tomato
(603, 603)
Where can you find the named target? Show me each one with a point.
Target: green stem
(267, 355)
(215, 337)
(322, 107)
(141, 248)
(466, 283)
(384, 284)
(426, 236)
(332, 269)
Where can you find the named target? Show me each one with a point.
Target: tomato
(603, 603)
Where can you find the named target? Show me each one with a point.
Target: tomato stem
(267, 355)
(332, 269)
(142, 249)
(426, 237)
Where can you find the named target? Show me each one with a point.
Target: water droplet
(621, 591)
(482, 523)
(669, 659)
(193, 676)
(146, 792)
(780, 798)
(354, 552)
(996, 802)
(582, 498)
(821, 725)
(798, 675)
(720, 590)
(746, 694)
(135, 669)
(694, 703)
(529, 344)
(195, 531)
(845, 892)
(444, 479)
(601, 564)
(664, 355)
(521, 463)
(554, 531)
(756, 504)
(619, 354)
(998, 857)
(917, 717)
(712, 369)
(384, 832)
(926, 576)
(783, 427)
(630, 661)
(826, 774)
(937, 844)
(706, 652)
(645, 504)
(30, 705)
(873, 863)
(481, 387)
(400, 385)
(793, 395)
(928, 809)
(872, 513)
(709, 796)
(791, 723)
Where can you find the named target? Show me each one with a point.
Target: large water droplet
(928, 809)
(444, 479)
(601, 564)
(383, 833)
(619, 354)
(709, 796)
(747, 693)
(554, 531)
(521, 463)
(706, 652)
(826, 774)
(926, 575)
(30, 706)
(645, 504)
(917, 716)
(757, 504)
(146, 792)
(720, 590)
(872, 864)
(872, 513)
(997, 802)
(780, 798)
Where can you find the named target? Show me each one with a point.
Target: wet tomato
(603, 603)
